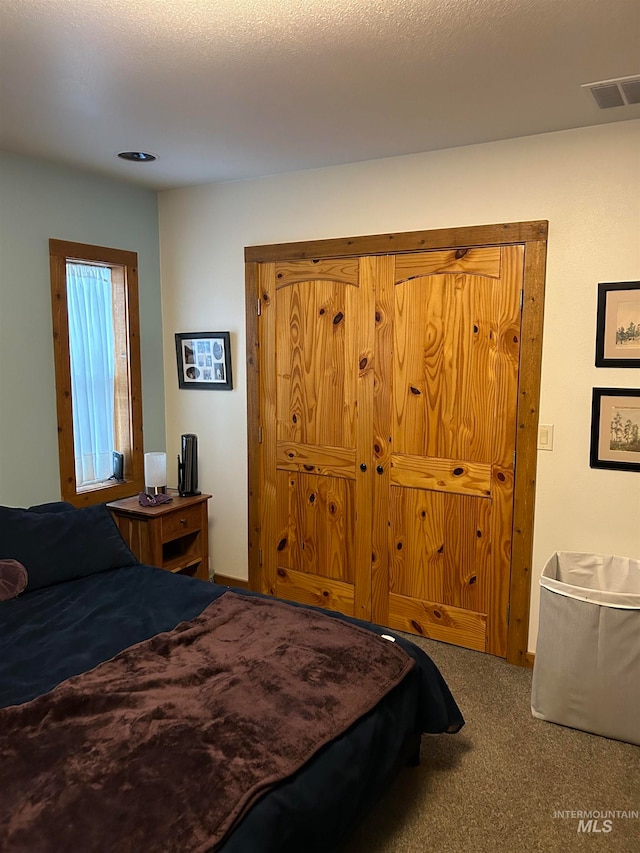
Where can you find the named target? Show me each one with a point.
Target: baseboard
(223, 580)
(529, 659)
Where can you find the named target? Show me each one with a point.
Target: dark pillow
(61, 546)
(53, 506)
(13, 579)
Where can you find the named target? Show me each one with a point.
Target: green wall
(38, 201)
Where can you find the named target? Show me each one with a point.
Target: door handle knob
(380, 469)
(363, 466)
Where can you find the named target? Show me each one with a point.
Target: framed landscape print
(204, 360)
(618, 324)
(615, 429)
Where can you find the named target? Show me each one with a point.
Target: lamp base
(155, 490)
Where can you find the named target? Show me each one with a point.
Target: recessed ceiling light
(137, 156)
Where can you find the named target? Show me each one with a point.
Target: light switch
(545, 437)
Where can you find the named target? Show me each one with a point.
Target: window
(94, 292)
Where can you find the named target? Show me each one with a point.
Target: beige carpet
(498, 784)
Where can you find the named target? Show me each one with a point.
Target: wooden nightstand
(173, 536)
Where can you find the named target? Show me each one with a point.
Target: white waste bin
(586, 672)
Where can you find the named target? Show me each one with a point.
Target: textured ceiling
(228, 89)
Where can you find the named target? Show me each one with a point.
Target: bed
(145, 710)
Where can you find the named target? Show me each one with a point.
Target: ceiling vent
(621, 92)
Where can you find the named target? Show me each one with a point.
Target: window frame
(124, 266)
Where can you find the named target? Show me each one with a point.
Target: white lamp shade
(155, 472)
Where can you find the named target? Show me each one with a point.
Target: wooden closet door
(316, 392)
(447, 355)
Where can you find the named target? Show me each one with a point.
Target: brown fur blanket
(167, 745)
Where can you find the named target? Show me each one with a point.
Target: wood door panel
(343, 270)
(267, 390)
(316, 369)
(381, 542)
(444, 352)
(467, 557)
(497, 580)
(455, 356)
(318, 320)
(507, 312)
(363, 353)
(331, 461)
(442, 475)
(315, 525)
(479, 261)
(440, 548)
(438, 622)
(417, 543)
(316, 592)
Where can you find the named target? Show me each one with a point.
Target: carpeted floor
(498, 784)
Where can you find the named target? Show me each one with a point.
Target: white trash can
(586, 673)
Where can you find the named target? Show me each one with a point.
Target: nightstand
(173, 536)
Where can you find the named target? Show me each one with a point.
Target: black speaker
(118, 466)
(188, 466)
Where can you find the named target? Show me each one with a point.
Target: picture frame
(204, 361)
(618, 324)
(615, 429)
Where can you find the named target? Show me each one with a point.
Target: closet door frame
(533, 236)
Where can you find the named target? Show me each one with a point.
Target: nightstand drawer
(187, 520)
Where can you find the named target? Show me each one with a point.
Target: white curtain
(92, 370)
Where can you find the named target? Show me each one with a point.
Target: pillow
(13, 579)
(53, 506)
(61, 546)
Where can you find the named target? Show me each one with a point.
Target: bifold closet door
(447, 355)
(316, 408)
(388, 396)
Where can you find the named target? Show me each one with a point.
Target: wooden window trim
(128, 410)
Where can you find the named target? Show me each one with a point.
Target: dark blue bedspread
(53, 633)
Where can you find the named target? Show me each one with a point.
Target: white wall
(39, 201)
(585, 182)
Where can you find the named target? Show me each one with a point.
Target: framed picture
(204, 360)
(615, 429)
(618, 324)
